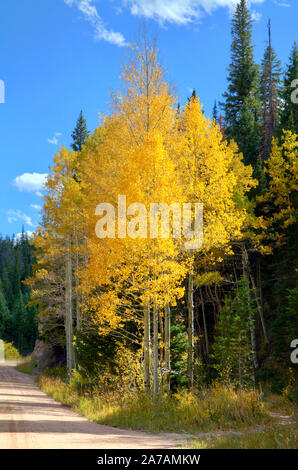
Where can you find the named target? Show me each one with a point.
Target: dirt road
(29, 419)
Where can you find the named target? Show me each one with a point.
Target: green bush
(57, 372)
(10, 352)
(293, 395)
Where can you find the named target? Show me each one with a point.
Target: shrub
(57, 372)
(10, 351)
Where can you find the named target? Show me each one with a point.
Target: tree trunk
(78, 308)
(240, 370)
(260, 309)
(70, 355)
(161, 333)
(147, 346)
(168, 347)
(245, 266)
(254, 347)
(155, 350)
(190, 330)
(205, 324)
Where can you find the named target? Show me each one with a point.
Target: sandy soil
(29, 419)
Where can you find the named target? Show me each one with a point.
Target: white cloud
(19, 235)
(14, 216)
(282, 4)
(30, 182)
(35, 207)
(54, 140)
(256, 16)
(91, 15)
(172, 11)
(177, 11)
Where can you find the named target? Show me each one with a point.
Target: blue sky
(60, 56)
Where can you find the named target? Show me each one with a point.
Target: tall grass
(27, 367)
(215, 408)
(273, 438)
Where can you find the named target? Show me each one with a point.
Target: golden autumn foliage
(279, 204)
(142, 152)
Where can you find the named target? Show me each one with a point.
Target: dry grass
(212, 409)
(276, 437)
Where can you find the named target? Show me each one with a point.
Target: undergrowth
(219, 407)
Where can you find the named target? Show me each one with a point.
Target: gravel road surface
(29, 419)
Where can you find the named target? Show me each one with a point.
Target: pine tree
(289, 114)
(215, 113)
(7, 281)
(4, 314)
(79, 134)
(242, 103)
(19, 318)
(232, 348)
(193, 96)
(270, 82)
(291, 324)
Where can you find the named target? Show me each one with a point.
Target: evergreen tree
(215, 112)
(291, 312)
(7, 280)
(79, 134)
(270, 82)
(242, 102)
(18, 322)
(193, 95)
(232, 347)
(289, 114)
(19, 315)
(259, 175)
(30, 329)
(4, 314)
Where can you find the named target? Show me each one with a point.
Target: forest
(18, 319)
(143, 321)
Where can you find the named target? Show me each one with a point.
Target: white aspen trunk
(155, 350)
(76, 281)
(260, 309)
(147, 378)
(70, 356)
(168, 347)
(190, 330)
(78, 308)
(162, 337)
(245, 266)
(205, 324)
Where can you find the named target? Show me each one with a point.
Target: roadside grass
(216, 408)
(27, 367)
(276, 437)
(280, 404)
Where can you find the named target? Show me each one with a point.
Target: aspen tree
(130, 155)
(61, 215)
(211, 170)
